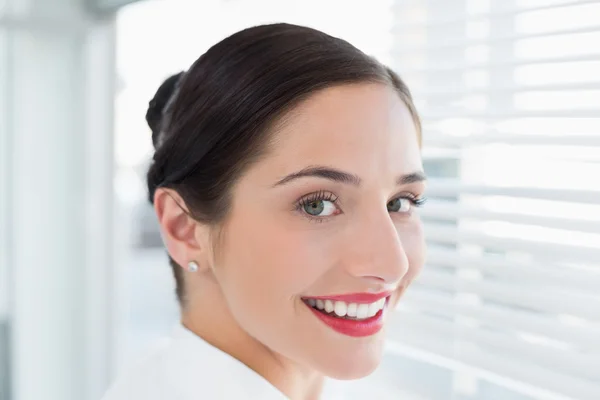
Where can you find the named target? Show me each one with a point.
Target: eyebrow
(414, 177)
(336, 175)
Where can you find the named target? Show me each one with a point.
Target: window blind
(509, 93)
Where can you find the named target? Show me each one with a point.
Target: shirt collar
(196, 367)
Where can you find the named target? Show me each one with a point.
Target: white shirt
(188, 368)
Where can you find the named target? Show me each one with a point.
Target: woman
(285, 180)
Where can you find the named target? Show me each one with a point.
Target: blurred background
(508, 306)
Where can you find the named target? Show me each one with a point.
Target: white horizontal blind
(509, 93)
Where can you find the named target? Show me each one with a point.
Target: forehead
(362, 128)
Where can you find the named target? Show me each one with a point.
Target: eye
(399, 204)
(319, 208)
(318, 205)
(404, 204)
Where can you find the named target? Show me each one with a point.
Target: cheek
(268, 260)
(266, 265)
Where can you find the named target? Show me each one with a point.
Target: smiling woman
(285, 180)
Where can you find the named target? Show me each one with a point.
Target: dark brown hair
(211, 122)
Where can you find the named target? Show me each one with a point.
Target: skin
(246, 298)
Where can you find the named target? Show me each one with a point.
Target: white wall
(57, 76)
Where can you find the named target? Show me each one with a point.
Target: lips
(355, 315)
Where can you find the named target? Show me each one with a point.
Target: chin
(352, 363)
(355, 372)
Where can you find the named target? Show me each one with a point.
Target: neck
(217, 326)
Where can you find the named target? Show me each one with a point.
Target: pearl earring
(192, 266)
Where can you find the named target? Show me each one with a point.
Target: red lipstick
(350, 326)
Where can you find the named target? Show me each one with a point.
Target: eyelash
(317, 196)
(415, 201)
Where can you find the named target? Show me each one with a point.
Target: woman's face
(327, 219)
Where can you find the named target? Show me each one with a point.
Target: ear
(183, 236)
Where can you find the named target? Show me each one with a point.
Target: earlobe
(192, 266)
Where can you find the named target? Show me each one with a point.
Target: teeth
(328, 306)
(340, 308)
(363, 311)
(373, 308)
(352, 310)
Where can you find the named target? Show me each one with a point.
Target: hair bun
(156, 106)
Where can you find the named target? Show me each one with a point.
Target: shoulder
(188, 368)
(144, 380)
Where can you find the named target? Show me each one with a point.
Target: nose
(377, 251)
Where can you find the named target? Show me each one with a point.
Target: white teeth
(362, 311)
(373, 309)
(352, 310)
(328, 306)
(340, 308)
(320, 304)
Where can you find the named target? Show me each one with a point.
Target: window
(509, 92)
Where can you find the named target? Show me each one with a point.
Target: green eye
(399, 204)
(315, 207)
(319, 208)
